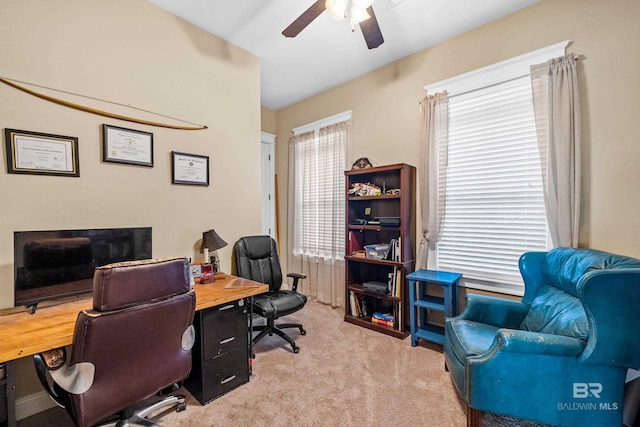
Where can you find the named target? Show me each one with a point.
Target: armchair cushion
(556, 312)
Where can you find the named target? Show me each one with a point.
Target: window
(319, 152)
(494, 206)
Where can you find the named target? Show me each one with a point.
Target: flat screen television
(58, 263)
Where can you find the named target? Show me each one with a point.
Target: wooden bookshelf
(358, 269)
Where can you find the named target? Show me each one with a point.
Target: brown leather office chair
(133, 344)
(256, 258)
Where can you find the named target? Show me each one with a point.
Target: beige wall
(132, 52)
(385, 104)
(268, 120)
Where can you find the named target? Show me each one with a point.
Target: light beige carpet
(344, 375)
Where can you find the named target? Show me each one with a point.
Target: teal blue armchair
(559, 356)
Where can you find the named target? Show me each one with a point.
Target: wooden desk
(24, 334)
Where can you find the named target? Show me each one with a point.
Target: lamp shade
(212, 241)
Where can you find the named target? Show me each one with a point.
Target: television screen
(58, 263)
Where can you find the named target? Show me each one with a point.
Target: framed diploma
(133, 147)
(190, 169)
(41, 153)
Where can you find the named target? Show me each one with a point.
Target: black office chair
(257, 259)
(135, 343)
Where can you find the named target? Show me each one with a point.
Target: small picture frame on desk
(196, 270)
(207, 274)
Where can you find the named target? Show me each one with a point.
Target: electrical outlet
(367, 211)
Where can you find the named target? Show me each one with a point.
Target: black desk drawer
(220, 354)
(224, 328)
(224, 373)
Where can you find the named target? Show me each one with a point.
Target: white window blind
(320, 189)
(494, 200)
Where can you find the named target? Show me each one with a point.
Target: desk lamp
(211, 242)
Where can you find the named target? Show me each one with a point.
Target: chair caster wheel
(303, 332)
(181, 407)
(296, 350)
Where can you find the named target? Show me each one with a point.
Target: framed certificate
(133, 147)
(41, 153)
(190, 169)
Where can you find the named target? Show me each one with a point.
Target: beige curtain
(432, 170)
(556, 104)
(324, 264)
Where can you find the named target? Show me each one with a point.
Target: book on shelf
(383, 316)
(357, 305)
(355, 243)
(383, 319)
(382, 322)
(395, 253)
(394, 283)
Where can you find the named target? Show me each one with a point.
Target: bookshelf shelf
(357, 287)
(355, 227)
(433, 333)
(362, 302)
(382, 197)
(374, 261)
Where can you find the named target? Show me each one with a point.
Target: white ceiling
(327, 52)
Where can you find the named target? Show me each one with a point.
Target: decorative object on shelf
(368, 189)
(133, 147)
(41, 153)
(11, 82)
(361, 163)
(190, 169)
(211, 242)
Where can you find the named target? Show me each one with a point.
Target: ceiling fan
(361, 13)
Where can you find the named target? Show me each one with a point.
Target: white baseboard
(33, 404)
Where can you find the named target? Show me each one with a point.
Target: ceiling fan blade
(371, 30)
(305, 19)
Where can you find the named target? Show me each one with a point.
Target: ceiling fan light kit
(358, 15)
(337, 9)
(361, 13)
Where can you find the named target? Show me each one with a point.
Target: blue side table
(419, 300)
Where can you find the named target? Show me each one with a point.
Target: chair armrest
(45, 362)
(296, 277)
(494, 311)
(517, 341)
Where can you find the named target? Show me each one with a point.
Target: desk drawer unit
(221, 351)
